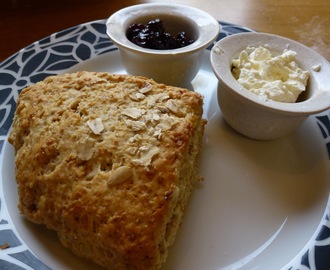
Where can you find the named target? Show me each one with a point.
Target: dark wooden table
(24, 21)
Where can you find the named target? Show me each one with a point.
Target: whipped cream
(278, 78)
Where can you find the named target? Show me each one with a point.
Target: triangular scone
(108, 162)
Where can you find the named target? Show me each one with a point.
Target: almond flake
(136, 125)
(137, 96)
(96, 125)
(158, 133)
(152, 116)
(131, 150)
(161, 97)
(151, 102)
(166, 122)
(155, 116)
(133, 113)
(173, 106)
(144, 148)
(157, 99)
(145, 160)
(162, 109)
(146, 88)
(120, 175)
(135, 138)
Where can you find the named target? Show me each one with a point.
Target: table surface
(24, 21)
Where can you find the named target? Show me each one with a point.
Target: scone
(108, 162)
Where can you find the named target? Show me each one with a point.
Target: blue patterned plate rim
(55, 54)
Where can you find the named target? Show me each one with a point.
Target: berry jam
(153, 36)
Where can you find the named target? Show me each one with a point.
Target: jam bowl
(261, 118)
(175, 66)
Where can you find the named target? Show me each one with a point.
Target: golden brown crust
(107, 161)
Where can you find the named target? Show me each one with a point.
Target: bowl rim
(208, 27)
(227, 48)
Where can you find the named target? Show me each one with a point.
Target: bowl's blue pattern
(55, 54)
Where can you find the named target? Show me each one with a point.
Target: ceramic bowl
(175, 67)
(263, 119)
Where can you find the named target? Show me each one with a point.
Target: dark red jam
(154, 36)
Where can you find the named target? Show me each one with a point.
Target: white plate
(263, 205)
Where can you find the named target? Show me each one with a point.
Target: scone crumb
(4, 246)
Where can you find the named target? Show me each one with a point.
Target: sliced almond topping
(120, 175)
(161, 97)
(173, 106)
(152, 116)
(162, 109)
(144, 148)
(145, 160)
(166, 122)
(135, 138)
(146, 88)
(133, 113)
(136, 125)
(96, 125)
(151, 102)
(137, 96)
(157, 99)
(158, 133)
(155, 117)
(131, 150)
